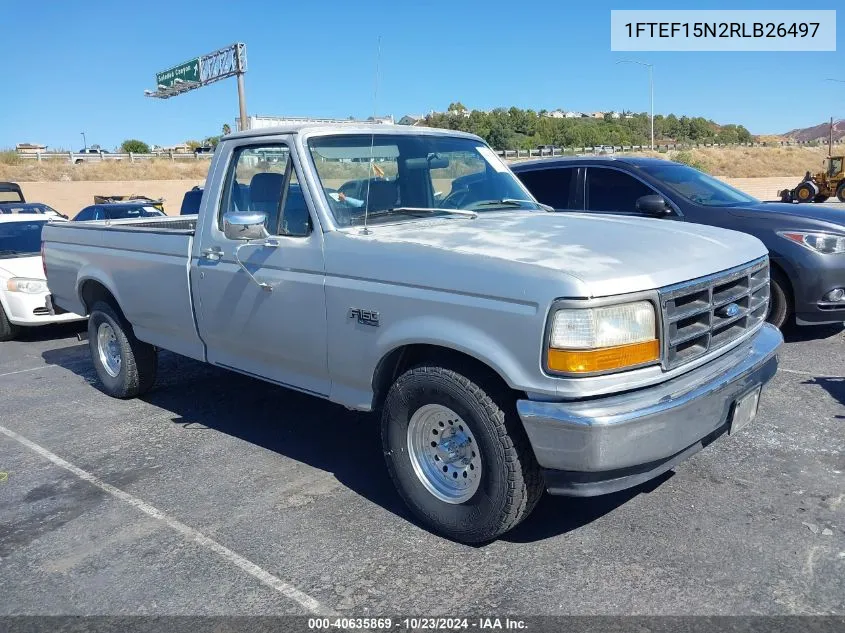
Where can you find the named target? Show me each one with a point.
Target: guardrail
(76, 158)
(563, 151)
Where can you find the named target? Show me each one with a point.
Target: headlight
(586, 340)
(29, 286)
(826, 243)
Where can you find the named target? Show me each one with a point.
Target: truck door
(279, 335)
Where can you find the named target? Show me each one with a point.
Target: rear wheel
(840, 192)
(805, 192)
(460, 460)
(8, 330)
(126, 366)
(780, 300)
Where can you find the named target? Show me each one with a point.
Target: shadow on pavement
(50, 332)
(834, 386)
(315, 432)
(803, 333)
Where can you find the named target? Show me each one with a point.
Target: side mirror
(245, 225)
(653, 205)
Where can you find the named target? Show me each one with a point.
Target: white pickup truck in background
(405, 270)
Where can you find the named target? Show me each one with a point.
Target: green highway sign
(188, 71)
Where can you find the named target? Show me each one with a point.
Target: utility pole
(650, 89)
(84, 142)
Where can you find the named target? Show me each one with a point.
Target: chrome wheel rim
(108, 349)
(443, 453)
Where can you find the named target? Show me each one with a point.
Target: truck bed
(143, 262)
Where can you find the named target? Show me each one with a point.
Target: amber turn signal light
(583, 361)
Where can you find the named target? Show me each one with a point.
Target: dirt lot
(219, 494)
(71, 197)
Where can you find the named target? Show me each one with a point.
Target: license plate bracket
(744, 409)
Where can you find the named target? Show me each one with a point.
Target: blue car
(118, 211)
(806, 242)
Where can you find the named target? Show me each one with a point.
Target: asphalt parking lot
(217, 494)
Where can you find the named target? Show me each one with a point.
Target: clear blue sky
(74, 66)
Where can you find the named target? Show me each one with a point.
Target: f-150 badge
(365, 317)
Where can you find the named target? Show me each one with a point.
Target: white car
(23, 285)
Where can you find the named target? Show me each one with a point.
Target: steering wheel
(455, 199)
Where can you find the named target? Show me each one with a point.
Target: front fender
(454, 335)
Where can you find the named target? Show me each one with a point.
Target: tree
(226, 129)
(134, 146)
(193, 144)
(211, 141)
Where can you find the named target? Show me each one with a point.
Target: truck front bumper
(605, 444)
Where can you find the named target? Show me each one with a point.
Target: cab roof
(353, 127)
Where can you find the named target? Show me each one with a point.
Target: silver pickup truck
(407, 271)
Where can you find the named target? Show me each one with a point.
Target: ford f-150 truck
(509, 350)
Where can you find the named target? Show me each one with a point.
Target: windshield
(19, 238)
(395, 176)
(130, 211)
(698, 187)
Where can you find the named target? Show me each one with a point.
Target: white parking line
(286, 589)
(804, 373)
(23, 371)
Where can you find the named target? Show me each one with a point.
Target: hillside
(817, 132)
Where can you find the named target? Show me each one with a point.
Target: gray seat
(265, 196)
(296, 220)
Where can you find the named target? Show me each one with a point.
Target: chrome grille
(705, 314)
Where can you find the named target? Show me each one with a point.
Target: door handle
(212, 254)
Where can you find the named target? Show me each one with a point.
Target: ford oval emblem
(728, 311)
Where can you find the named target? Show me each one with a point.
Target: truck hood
(818, 212)
(607, 254)
(29, 266)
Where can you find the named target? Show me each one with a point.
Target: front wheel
(8, 330)
(460, 460)
(805, 192)
(840, 192)
(780, 301)
(126, 366)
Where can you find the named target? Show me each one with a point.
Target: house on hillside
(411, 119)
(30, 148)
(573, 115)
(597, 115)
(556, 114)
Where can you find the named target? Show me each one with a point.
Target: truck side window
(613, 190)
(262, 179)
(255, 182)
(550, 186)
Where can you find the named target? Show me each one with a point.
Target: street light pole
(84, 142)
(650, 89)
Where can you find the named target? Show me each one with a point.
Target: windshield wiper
(511, 202)
(415, 210)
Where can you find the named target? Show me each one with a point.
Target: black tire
(780, 300)
(840, 192)
(510, 483)
(820, 198)
(138, 360)
(805, 192)
(8, 330)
